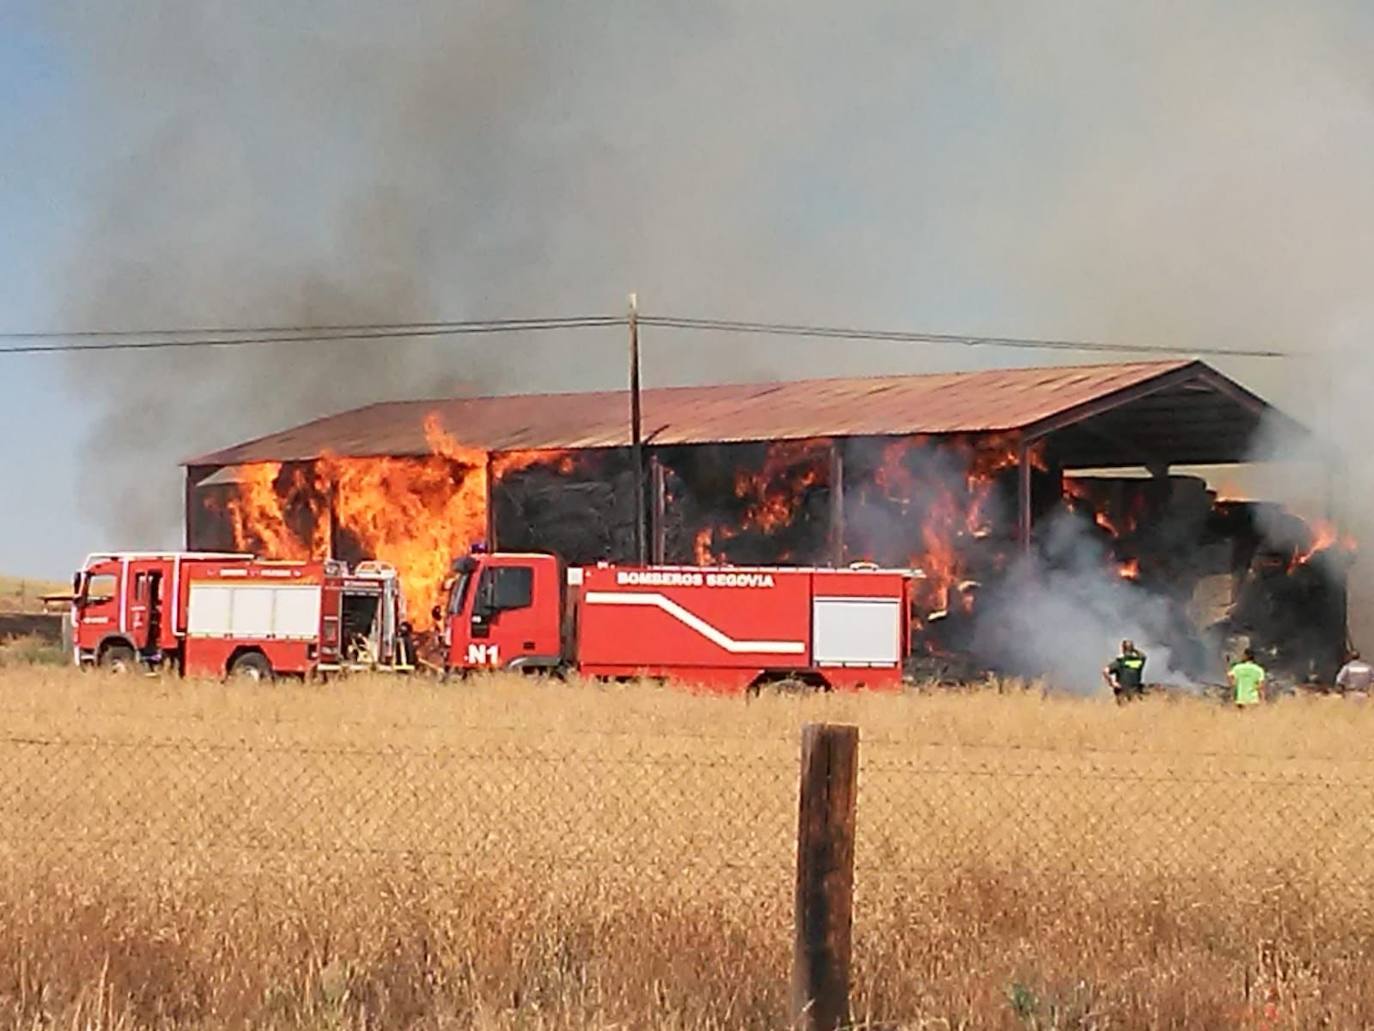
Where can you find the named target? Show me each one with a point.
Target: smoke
(1172, 173)
(1061, 614)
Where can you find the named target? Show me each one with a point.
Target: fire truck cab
(217, 614)
(724, 628)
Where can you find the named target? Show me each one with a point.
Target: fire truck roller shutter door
(857, 631)
(208, 611)
(251, 612)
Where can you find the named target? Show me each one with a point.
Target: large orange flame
(258, 512)
(414, 512)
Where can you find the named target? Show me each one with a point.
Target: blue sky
(1192, 174)
(38, 205)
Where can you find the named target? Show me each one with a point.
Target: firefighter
(1126, 675)
(406, 649)
(1355, 676)
(1247, 678)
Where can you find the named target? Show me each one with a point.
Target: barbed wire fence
(702, 821)
(694, 805)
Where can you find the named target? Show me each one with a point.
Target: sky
(1184, 174)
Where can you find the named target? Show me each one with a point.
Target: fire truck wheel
(783, 686)
(118, 658)
(251, 666)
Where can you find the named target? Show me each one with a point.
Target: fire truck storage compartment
(280, 612)
(360, 606)
(857, 631)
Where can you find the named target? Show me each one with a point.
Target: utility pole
(637, 433)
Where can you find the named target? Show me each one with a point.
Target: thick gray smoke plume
(1184, 174)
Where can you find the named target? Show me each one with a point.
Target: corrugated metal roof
(990, 400)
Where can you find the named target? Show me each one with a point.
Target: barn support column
(191, 480)
(837, 555)
(658, 504)
(1023, 495)
(490, 541)
(331, 544)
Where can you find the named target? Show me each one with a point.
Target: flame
(560, 461)
(1325, 536)
(774, 493)
(258, 512)
(415, 513)
(701, 547)
(1129, 569)
(771, 498)
(944, 488)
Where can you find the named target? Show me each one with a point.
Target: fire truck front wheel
(118, 658)
(252, 666)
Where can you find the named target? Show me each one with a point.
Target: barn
(949, 474)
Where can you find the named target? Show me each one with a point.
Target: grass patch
(502, 854)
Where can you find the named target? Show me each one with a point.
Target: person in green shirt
(1247, 677)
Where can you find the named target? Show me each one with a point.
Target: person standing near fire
(1247, 678)
(1126, 675)
(1355, 677)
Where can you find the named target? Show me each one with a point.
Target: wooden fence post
(825, 876)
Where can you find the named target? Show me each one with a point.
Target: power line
(89, 340)
(345, 327)
(902, 336)
(304, 334)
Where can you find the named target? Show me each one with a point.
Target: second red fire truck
(724, 628)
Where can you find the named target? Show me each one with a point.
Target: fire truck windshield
(460, 593)
(99, 588)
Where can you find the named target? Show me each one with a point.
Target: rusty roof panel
(993, 400)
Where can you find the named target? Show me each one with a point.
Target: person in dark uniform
(1126, 675)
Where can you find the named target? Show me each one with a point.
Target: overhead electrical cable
(340, 327)
(93, 340)
(903, 336)
(298, 336)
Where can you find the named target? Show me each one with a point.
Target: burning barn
(975, 481)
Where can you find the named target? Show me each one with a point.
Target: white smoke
(1062, 613)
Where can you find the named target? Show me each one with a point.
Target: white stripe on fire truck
(698, 624)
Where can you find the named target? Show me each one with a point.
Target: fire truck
(730, 629)
(223, 614)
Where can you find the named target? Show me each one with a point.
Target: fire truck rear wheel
(118, 658)
(251, 666)
(783, 686)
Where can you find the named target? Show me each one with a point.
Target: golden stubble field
(493, 854)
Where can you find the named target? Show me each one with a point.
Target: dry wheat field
(505, 854)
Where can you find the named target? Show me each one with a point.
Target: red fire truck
(728, 629)
(211, 615)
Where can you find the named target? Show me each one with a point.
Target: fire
(1129, 569)
(945, 489)
(775, 491)
(258, 512)
(770, 498)
(701, 547)
(507, 462)
(413, 512)
(1325, 536)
